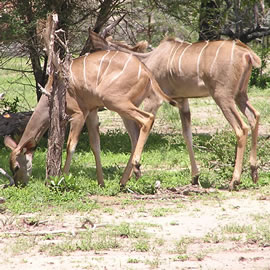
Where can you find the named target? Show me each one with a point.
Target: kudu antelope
(220, 69)
(111, 79)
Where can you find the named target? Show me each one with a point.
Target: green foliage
(9, 106)
(64, 183)
(260, 77)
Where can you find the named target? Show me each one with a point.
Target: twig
(111, 26)
(44, 91)
(11, 180)
(63, 44)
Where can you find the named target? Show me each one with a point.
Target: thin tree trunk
(58, 72)
(209, 20)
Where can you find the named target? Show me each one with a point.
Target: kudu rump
(220, 69)
(111, 79)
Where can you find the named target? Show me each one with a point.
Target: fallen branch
(14, 123)
(11, 180)
(174, 193)
(42, 233)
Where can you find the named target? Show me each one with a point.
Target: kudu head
(20, 159)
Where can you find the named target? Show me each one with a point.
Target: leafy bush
(9, 106)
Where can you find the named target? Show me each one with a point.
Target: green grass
(215, 153)
(18, 84)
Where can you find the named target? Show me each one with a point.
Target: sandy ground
(186, 218)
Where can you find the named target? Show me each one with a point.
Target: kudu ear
(10, 143)
(27, 146)
(30, 145)
(97, 41)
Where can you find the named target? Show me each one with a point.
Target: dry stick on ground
(11, 180)
(47, 232)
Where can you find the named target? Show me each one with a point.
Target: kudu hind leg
(253, 118)
(184, 112)
(241, 130)
(92, 123)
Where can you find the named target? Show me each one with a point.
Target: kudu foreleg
(133, 131)
(76, 124)
(145, 121)
(92, 123)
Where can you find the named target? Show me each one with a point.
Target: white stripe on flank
(180, 58)
(232, 54)
(199, 59)
(100, 65)
(84, 71)
(109, 63)
(215, 59)
(169, 58)
(120, 73)
(70, 72)
(140, 70)
(172, 59)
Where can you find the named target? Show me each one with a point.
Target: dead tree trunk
(58, 78)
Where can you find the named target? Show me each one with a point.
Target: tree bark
(58, 72)
(57, 126)
(209, 20)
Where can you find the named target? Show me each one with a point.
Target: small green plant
(161, 212)
(154, 264)
(236, 228)
(174, 223)
(9, 106)
(22, 244)
(182, 257)
(64, 183)
(142, 245)
(125, 230)
(133, 260)
(260, 236)
(200, 256)
(212, 238)
(181, 245)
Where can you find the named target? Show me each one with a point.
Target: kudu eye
(16, 168)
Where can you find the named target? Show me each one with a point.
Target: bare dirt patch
(221, 230)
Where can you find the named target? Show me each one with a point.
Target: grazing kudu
(220, 69)
(111, 79)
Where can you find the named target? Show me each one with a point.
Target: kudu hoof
(137, 171)
(233, 184)
(254, 173)
(195, 180)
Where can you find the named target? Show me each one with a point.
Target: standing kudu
(220, 69)
(111, 79)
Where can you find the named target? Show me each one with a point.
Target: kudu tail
(251, 55)
(156, 88)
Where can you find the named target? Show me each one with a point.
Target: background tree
(152, 20)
